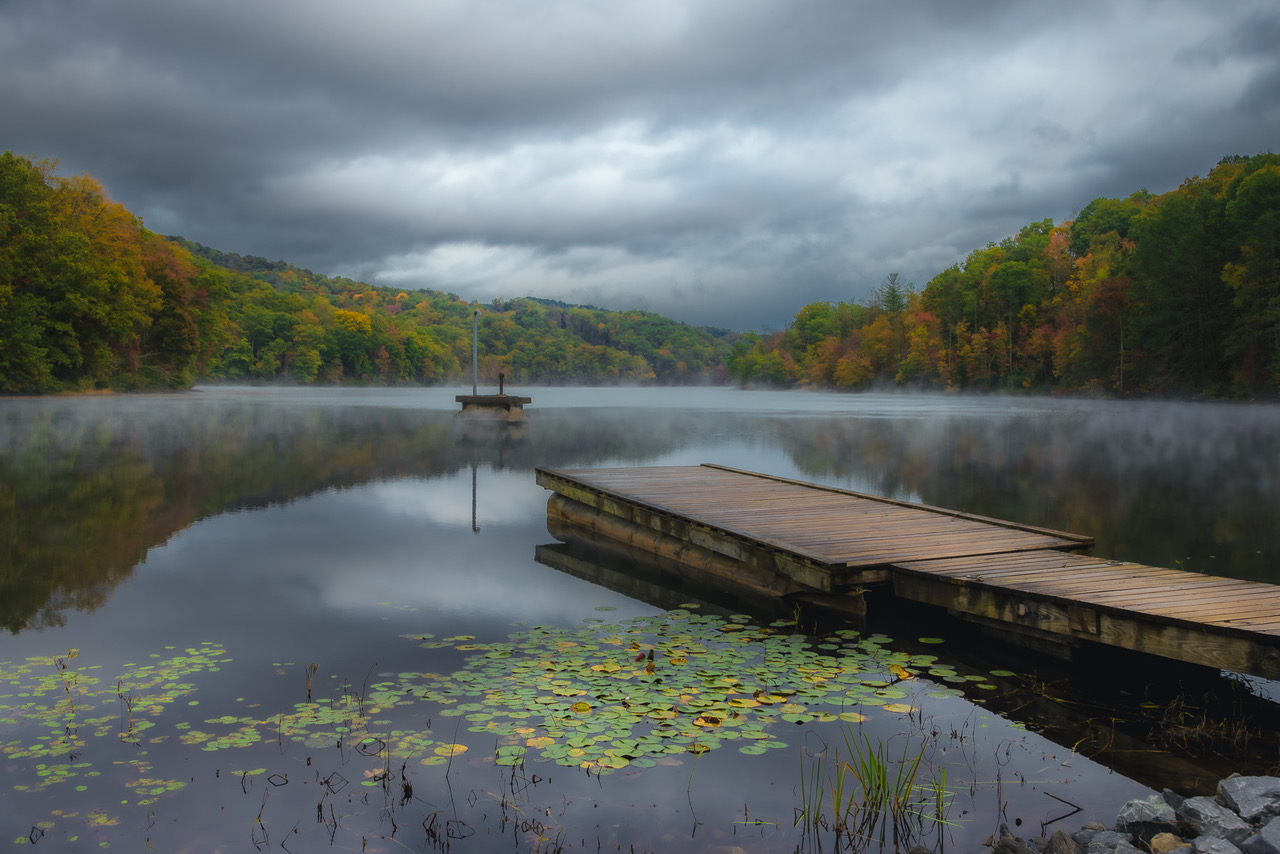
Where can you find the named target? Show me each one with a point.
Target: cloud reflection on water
(385, 548)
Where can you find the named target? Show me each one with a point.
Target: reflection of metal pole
(475, 351)
(474, 527)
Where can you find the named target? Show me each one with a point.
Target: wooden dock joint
(1082, 619)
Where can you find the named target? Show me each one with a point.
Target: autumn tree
(1184, 309)
(1253, 213)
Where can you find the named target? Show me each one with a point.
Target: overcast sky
(722, 162)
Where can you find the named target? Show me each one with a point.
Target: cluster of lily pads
(67, 705)
(58, 706)
(606, 696)
(600, 696)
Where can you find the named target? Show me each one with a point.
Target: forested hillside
(90, 299)
(1176, 293)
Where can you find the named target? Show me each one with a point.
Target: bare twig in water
(258, 827)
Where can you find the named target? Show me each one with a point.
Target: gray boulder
(1091, 829)
(1144, 818)
(1213, 845)
(1110, 838)
(1265, 841)
(1109, 841)
(1210, 818)
(1254, 799)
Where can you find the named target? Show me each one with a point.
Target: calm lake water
(248, 619)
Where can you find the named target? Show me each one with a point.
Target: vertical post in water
(474, 527)
(475, 351)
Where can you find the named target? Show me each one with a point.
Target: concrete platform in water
(493, 407)
(501, 407)
(786, 538)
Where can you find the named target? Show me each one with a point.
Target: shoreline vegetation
(1170, 295)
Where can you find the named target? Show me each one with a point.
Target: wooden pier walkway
(793, 537)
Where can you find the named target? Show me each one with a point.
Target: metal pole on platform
(475, 351)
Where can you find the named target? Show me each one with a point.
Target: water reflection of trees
(86, 497)
(88, 486)
(1200, 489)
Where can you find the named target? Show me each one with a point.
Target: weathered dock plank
(1154, 591)
(1219, 622)
(787, 536)
(833, 527)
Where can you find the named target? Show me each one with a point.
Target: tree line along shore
(1170, 294)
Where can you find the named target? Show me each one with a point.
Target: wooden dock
(789, 538)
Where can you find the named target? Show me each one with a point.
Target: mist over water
(310, 525)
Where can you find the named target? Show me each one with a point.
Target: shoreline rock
(1244, 818)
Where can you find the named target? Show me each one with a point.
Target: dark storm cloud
(723, 162)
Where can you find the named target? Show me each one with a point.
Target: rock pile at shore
(1244, 818)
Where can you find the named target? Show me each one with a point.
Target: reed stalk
(868, 795)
